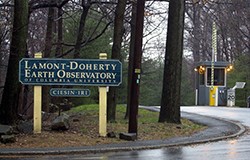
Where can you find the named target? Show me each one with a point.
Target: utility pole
(136, 71)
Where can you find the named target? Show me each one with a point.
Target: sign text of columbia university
(93, 72)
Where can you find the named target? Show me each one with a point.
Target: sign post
(136, 70)
(213, 90)
(103, 105)
(37, 104)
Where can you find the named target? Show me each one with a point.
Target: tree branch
(33, 5)
(85, 41)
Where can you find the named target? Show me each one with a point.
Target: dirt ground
(84, 131)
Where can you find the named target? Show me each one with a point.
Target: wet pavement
(175, 148)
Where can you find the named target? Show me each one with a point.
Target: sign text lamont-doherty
(92, 72)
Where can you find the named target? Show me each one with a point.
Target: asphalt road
(232, 149)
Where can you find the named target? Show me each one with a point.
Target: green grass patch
(85, 108)
(148, 126)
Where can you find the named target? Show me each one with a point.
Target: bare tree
(47, 53)
(12, 88)
(233, 28)
(86, 6)
(6, 12)
(116, 53)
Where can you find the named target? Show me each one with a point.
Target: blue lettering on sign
(70, 72)
(65, 92)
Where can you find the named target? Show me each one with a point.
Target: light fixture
(229, 68)
(201, 69)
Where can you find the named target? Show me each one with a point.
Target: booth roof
(216, 64)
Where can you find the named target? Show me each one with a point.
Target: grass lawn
(148, 126)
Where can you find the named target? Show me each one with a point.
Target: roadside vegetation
(84, 129)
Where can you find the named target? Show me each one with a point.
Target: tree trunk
(86, 6)
(12, 88)
(59, 48)
(47, 53)
(116, 54)
(170, 101)
(196, 32)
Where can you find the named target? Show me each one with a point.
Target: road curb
(240, 132)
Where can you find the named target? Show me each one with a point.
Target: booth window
(219, 76)
(202, 79)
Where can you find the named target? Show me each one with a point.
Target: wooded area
(84, 28)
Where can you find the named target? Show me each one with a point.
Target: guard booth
(211, 81)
